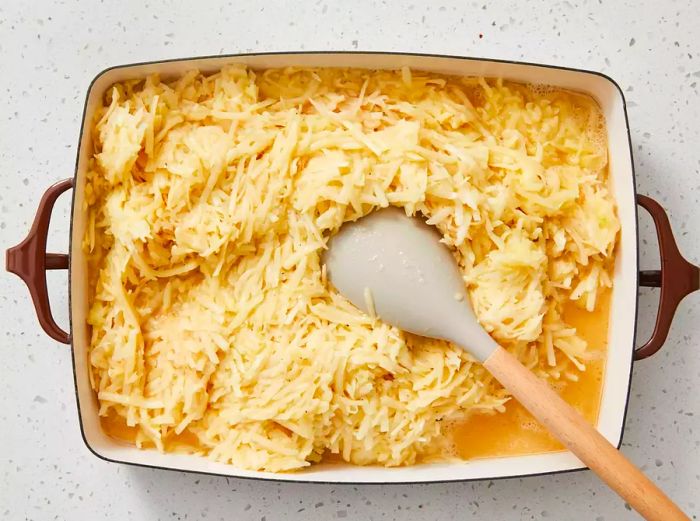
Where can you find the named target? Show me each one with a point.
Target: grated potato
(211, 197)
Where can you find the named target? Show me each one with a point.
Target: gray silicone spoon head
(412, 277)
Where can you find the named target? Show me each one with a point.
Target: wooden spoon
(394, 265)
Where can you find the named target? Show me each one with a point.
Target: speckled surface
(49, 52)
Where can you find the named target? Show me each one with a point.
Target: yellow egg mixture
(211, 198)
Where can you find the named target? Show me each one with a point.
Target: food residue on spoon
(369, 303)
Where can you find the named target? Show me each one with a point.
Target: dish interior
(621, 331)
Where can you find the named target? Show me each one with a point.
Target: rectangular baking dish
(29, 260)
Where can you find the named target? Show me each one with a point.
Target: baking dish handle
(676, 278)
(30, 261)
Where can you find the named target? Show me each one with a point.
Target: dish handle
(29, 261)
(676, 278)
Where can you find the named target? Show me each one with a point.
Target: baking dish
(676, 278)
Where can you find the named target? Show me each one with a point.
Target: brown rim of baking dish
(29, 260)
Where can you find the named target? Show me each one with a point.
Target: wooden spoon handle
(569, 427)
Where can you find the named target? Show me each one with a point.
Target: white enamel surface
(623, 307)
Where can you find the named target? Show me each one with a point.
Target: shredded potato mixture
(211, 199)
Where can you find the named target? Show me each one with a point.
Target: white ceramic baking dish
(676, 278)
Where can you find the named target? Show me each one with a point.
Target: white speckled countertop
(50, 51)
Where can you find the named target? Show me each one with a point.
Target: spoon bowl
(398, 266)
